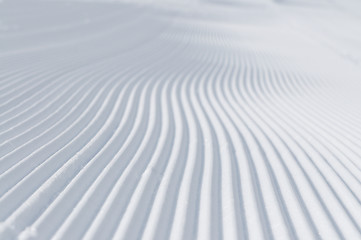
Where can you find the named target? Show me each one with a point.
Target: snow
(171, 119)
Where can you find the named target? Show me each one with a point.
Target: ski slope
(180, 119)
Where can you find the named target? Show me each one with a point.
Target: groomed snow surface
(180, 119)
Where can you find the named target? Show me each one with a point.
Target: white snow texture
(180, 119)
